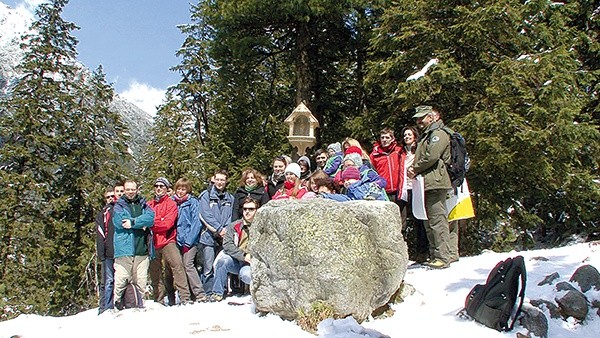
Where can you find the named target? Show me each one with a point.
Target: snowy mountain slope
(13, 25)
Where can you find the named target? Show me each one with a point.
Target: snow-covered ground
(430, 312)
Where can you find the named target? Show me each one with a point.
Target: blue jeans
(108, 284)
(208, 258)
(226, 264)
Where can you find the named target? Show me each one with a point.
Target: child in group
(361, 189)
(367, 174)
(334, 162)
(326, 189)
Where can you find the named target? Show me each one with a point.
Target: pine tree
(62, 147)
(247, 65)
(174, 150)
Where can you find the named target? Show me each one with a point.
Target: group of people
(165, 237)
(191, 244)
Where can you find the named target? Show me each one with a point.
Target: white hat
(293, 168)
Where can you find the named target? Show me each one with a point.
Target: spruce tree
(174, 149)
(62, 147)
(508, 76)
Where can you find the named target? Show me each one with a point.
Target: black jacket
(258, 194)
(105, 232)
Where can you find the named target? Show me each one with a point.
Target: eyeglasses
(160, 186)
(249, 209)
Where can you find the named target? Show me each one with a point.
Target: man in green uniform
(432, 154)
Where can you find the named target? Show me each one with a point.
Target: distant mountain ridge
(13, 25)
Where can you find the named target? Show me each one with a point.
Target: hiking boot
(201, 298)
(215, 298)
(437, 264)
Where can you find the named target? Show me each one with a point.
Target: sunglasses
(109, 196)
(160, 186)
(249, 209)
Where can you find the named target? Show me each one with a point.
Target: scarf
(289, 185)
(179, 200)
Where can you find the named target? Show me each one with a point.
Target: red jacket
(165, 217)
(388, 165)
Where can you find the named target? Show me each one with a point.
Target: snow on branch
(423, 71)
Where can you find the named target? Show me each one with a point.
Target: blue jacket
(368, 174)
(215, 211)
(333, 164)
(365, 190)
(335, 197)
(126, 241)
(188, 222)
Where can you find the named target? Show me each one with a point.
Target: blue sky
(134, 40)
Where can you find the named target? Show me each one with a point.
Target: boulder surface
(349, 255)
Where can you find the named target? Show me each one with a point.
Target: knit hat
(353, 150)
(307, 160)
(355, 158)
(293, 168)
(336, 147)
(163, 181)
(350, 173)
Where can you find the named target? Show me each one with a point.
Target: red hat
(350, 173)
(353, 150)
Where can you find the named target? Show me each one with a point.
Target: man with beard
(105, 231)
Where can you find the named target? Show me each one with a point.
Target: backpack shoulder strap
(519, 263)
(448, 131)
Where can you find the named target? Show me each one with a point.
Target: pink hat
(350, 173)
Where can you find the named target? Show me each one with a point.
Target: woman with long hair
(410, 138)
(251, 185)
(351, 145)
(292, 187)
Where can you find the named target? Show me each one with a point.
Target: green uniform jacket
(431, 156)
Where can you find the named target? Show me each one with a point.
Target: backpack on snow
(459, 158)
(132, 297)
(497, 303)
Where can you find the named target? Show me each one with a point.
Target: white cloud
(144, 96)
(28, 6)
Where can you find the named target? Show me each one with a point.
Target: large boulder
(587, 277)
(349, 255)
(573, 304)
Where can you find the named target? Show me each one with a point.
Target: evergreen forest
(518, 79)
